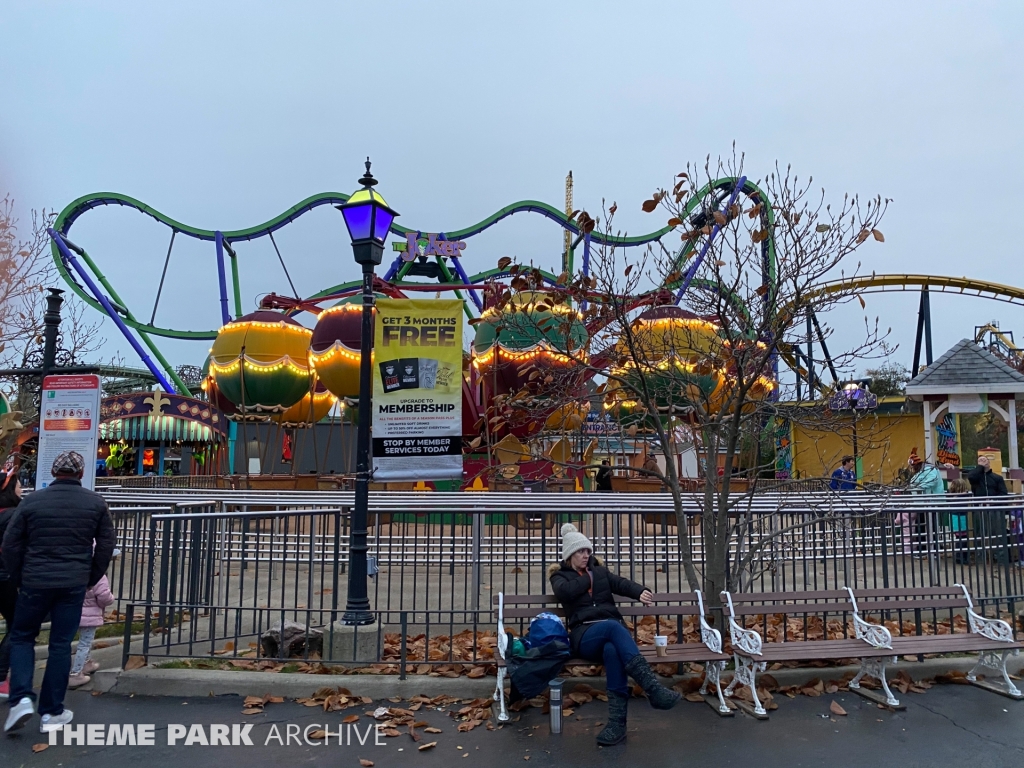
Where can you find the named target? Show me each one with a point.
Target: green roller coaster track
(67, 217)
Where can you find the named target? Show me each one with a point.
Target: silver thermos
(556, 704)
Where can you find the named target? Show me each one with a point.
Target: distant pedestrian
(10, 497)
(958, 490)
(604, 476)
(844, 478)
(97, 598)
(985, 483)
(57, 545)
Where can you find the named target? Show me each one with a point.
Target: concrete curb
(153, 681)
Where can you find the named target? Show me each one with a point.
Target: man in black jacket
(49, 552)
(984, 482)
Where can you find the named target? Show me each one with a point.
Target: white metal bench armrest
(710, 636)
(502, 636)
(746, 642)
(993, 629)
(872, 634)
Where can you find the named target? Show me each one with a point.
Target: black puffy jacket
(49, 541)
(5, 519)
(583, 604)
(985, 482)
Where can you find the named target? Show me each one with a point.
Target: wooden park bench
(872, 643)
(707, 652)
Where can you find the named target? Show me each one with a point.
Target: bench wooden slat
(788, 597)
(908, 605)
(784, 610)
(908, 592)
(678, 653)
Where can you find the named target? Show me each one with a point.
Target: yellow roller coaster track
(963, 286)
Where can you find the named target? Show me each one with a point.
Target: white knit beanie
(573, 541)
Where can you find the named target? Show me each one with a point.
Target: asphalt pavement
(948, 725)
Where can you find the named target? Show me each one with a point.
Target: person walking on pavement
(10, 497)
(96, 599)
(57, 545)
(586, 590)
(985, 483)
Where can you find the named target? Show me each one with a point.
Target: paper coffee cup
(661, 645)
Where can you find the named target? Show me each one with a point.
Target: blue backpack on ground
(545, 628)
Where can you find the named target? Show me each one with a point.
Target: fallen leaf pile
(253, 705)
(335, 700)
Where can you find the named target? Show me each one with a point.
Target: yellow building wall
(884, 443)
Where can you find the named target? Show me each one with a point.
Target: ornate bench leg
(996, 660)
(713, 674)
(499, 696)
(875, 667)
(746, 674)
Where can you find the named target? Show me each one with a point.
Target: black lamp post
(368, 219)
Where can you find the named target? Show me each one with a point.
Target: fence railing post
(404, 652)
(126, 643)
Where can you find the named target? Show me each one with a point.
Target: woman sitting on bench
(585, 588)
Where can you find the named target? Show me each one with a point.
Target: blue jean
(65, 609)
(610, 643)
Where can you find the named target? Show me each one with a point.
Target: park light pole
(368, 219)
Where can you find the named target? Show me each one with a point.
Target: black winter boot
(659, 696)
(615, 731)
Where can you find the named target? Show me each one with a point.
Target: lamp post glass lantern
(368, 219)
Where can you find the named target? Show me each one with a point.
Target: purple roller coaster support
(465, 279)
(218, 238)
(393, 269)
(69, 257)
(703, 251)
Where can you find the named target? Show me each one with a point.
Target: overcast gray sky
(223, 114)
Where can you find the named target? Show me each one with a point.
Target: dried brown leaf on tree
(649, 205)
(878, 235)
(503, 262)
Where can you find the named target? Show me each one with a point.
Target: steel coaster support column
(465, 279)
(810, 357)
(921, 334)
(926, 303)
(704, 251)
(586, 262)
(234, 276)
(824, 349)
(393, 269)
(225, 315)
(101, 297)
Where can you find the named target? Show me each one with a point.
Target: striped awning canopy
(156, 428)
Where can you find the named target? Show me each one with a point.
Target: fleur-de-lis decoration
(157, 401)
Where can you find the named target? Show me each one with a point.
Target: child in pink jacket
(96, 599)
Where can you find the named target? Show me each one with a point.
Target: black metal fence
(213, 578)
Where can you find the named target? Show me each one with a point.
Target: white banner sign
(69, 420)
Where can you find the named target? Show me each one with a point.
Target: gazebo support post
(1011, 431)
(928, 431)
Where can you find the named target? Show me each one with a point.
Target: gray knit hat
(573, 541)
